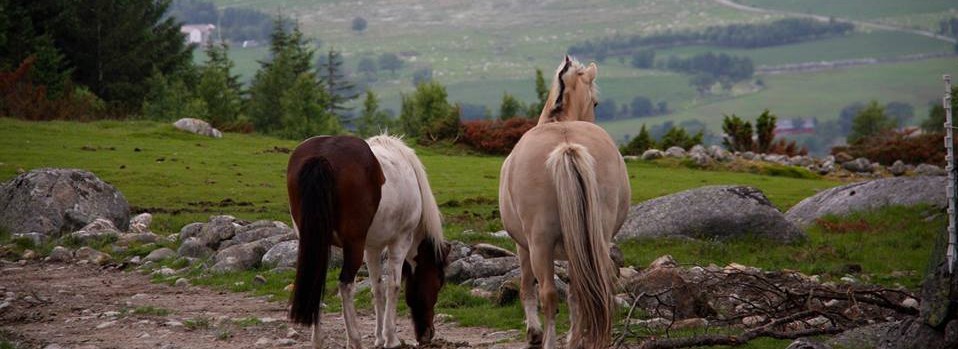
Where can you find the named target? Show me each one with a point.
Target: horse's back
(357, 174)
(527, 189)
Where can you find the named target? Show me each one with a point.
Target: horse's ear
(590, 72)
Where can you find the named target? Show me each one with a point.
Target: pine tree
(765, 129)
(340, 89)
(542, 92)
(428, 115)
(303, 113)
(870, 121)
(639, 144)
(218, 89)
(372, 121)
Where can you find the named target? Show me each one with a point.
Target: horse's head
(574, 93)
(423, 283)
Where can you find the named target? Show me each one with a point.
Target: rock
(458, 250)
(665, 261)
(867, 195)
(98, 229)
(707, 213)
(807, 343)
(688, 300)
(164, 271)
(194, 248)
(239, 257)
(138, 238)
(675, 152)
(197, 126)
(507, 292)
(218, 229)
(753, 321)
(626, 273)
(859, 165)
(259, 280)
(160, 254)
(141, 223)
(478, 292)
(929, 170)
(801, 160)
(491, 251)
(843, 157)
(106, 324)
(93, 256)
(827, 166)
(684, 324)
(910, 303)
(284, 254)
(701, 159)
(61, 254)
(57, 201)
(720, 154)
(181, 282)
(748, 155)
(191, 230)
(698, 149)
(35, 238)
(259, 230)
(898, 168)
(474, 266)
(29, 254)
(652, 154)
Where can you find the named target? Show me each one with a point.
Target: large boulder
(197, 126)
(194, 248)
(475, 266)
(282, 255)
(99, 229)
(239, 257)
(861, 196)
(708, 213)
(57, 201)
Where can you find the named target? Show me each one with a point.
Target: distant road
(864, 24)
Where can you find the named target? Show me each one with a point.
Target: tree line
(708, 68)
(779, 32)
(233, 24)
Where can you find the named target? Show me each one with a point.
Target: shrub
(639, 144)
(21, 98)
(495, 136)
(888, 146)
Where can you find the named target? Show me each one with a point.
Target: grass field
(858, 9)
(178, 171)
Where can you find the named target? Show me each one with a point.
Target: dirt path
(864, 24)
(87, 307)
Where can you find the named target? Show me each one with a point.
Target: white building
(197, 33)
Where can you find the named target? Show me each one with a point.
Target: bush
(495, 136)
(888, 146)
(639, 144)
(21, 98)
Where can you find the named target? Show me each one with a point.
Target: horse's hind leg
(374, 264)
(318, 330)
(542, 257)
(352, 260)
(530, 303)
(396, 255)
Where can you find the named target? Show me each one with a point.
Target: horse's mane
(554, 102)
(431, 221)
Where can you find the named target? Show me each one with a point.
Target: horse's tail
(317, 199)
(583, 238)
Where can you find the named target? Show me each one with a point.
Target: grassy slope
(236, 167)
(897, 12)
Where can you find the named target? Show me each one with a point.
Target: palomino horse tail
(583, 238)
(317, 199)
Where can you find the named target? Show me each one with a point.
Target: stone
(475, 266)
(98, 229)
(190, 230)
(807, 343)
(801, 160)
(35, 238)
(930, 170)
(58, 201)
(181, 282)
(898, 168)
(748, 155)
(164, 271)
(106, 324)
(652, 154)
(711, 212)
(491, 251)
(218, 229)
(690, 323)
(665, 261)
(283, 254)
(259, 230)
(259, 280)
(61, 254)
(141, 223)
(91, 255)
(137, 238)
(458, 250)
(29, 254)
(910, 303)
(701, 159)
(197, 126)
(239, 257)
(675, 152)
(688, 299)
(720, 154)
(698, 149)
(194, 248)
(868, 195)
(160, 254)
(859, 165)
(843, 157)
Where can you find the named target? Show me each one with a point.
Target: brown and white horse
(368, 197)
(563, 193)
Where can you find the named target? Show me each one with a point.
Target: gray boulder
(159, 254)
(748, 155)
(98, 229)
(861, 196)
(458, 250)
(218, 229)
(701, 159)
(898, 168)
(94, 256)
(140, 223)
(807, 343)
(652, 154)
(194, 248)
(720, 154)
(61, 254)
(260, 230)
(475, 266)
(708, 213)
(239, 257)
(861, 337)
(57, 201)
(675, 152)
(491, 251)
(190, 230)
(858, 165)
(930, 170)
(197, 126)
(282, 255)
(139, 238)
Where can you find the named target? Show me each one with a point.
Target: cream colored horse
(564, 193)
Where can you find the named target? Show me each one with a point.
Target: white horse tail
(583, 238)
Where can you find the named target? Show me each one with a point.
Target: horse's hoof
(535, 338)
